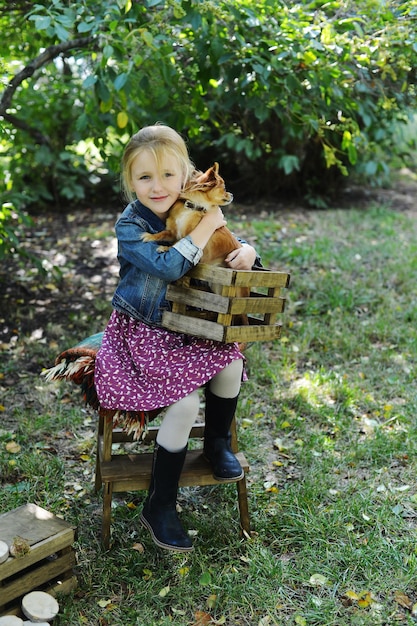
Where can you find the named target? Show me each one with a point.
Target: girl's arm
(206, 227)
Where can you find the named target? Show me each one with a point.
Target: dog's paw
(163, 248)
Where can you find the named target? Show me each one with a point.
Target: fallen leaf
(164, 591)
(318, 580)
(365, 599)
(147, 574)
(104, 603)
(138, 547)
(201, 618)
(403, 600)
(183, 571)
(211, 601)
(279, 444)
(13, 447)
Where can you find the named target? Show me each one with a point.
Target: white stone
(39, 606)
(4, 551)
(10, 620)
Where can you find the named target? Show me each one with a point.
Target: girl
(142, 366)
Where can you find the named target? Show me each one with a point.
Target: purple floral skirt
(141, 367)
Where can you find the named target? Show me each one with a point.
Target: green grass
(327, 420)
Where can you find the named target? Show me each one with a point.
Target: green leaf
(289, 163)
(89, 81)
(85, 27)
(42, 22)
(205, 579)
(61, 32)
(120, 81)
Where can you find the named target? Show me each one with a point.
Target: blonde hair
(160, 140)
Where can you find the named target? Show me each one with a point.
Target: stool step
(131, 472)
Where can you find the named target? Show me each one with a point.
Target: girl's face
(157, 187)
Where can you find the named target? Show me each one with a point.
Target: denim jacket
(144, 272)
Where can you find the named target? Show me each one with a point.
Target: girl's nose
(157, 183)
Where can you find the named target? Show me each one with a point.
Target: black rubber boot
(159, 514)
(217, 450)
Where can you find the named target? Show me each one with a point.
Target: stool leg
(242, 494)
(105, 523)
(98, 480)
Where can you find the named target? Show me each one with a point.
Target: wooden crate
(216, 313)
(48, 566)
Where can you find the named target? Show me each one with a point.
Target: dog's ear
(211, 175)
(209, 178)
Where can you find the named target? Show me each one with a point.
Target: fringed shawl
(77, 365)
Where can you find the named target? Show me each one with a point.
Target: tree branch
(42, 59)
(39, 137)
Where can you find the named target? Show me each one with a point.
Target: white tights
(179, 418)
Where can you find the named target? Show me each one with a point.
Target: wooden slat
(227, 276)
(211, 273)
(261, 304)
(198, 298)
(40, 551)
(261, 279)
(255, 332)
(192, 326)
(42, 524)
(36, 577)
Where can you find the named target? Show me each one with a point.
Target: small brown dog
(205, 192)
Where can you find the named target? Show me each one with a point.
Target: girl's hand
(242, 258)
(214, 219)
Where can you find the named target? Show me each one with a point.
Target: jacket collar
(152, 219)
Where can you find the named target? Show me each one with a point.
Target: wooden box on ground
(217, 314)
(48, 564)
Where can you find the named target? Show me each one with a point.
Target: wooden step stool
(131, 472)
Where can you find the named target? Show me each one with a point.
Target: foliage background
(288, 96)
